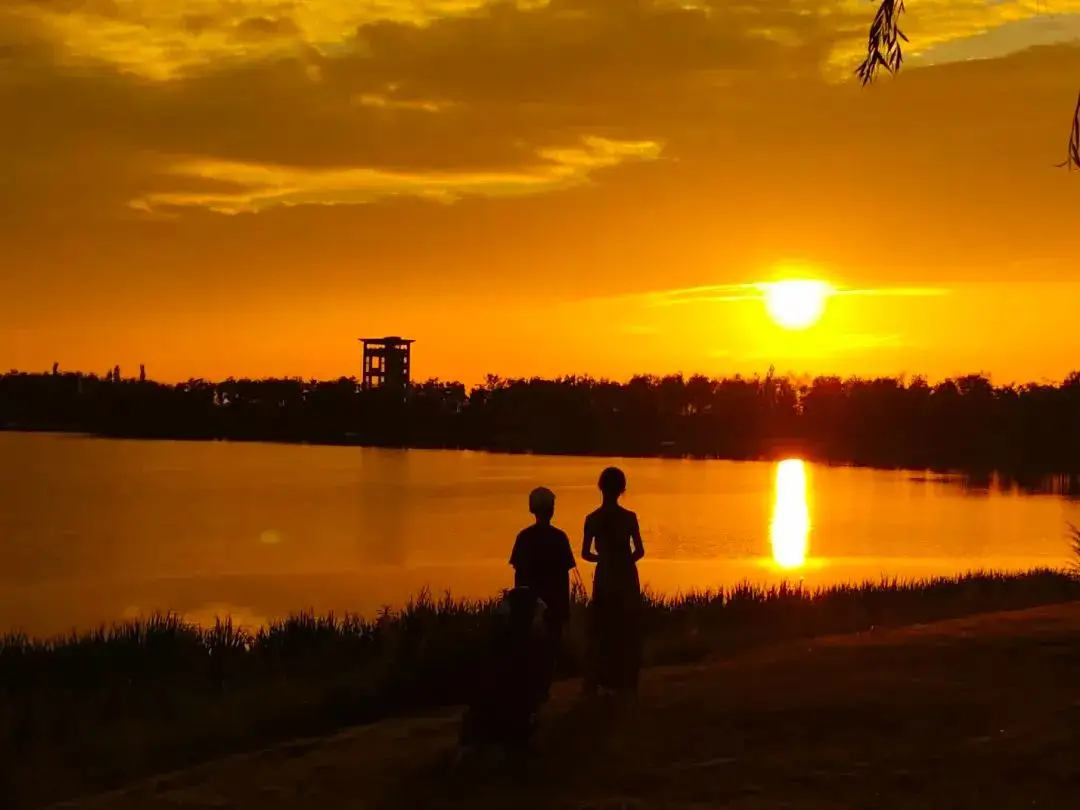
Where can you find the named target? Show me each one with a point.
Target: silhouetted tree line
(959, 423)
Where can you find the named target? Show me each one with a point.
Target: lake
(94, 530)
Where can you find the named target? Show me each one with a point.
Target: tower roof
(387, 339)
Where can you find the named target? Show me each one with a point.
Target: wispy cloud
(904, 292)
(943, 31)
(167, 39)
(1008, 37)
(753, 291)
(255, 187)
(383, 101)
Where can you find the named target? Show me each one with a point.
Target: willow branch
(885, 52)
(883, 44)
(1072, 152)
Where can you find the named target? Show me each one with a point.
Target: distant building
(387, 363)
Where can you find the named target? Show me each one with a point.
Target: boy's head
(542, 503)
(612, 482)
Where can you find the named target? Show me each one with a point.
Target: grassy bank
(95, 709)
(969, 714)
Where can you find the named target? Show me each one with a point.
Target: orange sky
(245, 187)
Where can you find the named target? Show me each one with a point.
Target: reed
(160, 692)
(1074, 542)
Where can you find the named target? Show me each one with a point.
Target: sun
(796, 304)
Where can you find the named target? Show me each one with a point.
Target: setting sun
(796, 304)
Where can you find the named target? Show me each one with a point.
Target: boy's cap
(541, 499)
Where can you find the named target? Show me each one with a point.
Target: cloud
(904, 292)
(754, 291)
(258, 187)
(169, 39)
(288, 107)
(447, 144)
(943, 31)
(354, 101)
(462, 86)
(384, 101)
(1004, 38)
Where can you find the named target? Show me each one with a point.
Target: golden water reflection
(93, 531)
(790, 527)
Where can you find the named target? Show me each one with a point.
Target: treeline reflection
(1065, 485)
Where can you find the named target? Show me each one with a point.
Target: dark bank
(92, 711)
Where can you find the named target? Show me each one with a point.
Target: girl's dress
(615, 631)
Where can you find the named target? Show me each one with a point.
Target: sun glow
(796, 304)
(790, 527)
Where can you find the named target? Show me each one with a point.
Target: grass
(968, 714)
(1074, 541)
(94, 709)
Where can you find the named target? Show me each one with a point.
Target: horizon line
(904, 377)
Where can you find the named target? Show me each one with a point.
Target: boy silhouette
(542, 560)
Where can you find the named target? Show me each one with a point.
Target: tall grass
(100, 706)
(1074, 541)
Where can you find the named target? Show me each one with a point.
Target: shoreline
(791, 450)
(351, 594)
(943, 715)
(96, 710)
(428, 598)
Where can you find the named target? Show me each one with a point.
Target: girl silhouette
(613, 541)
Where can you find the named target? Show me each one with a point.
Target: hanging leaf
(1072, 153)
(884, 51)
(883, 48)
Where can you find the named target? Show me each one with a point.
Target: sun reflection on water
(790, 527)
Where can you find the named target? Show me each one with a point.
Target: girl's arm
(587, 543)
(635, 538)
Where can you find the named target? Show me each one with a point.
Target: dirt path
(976, 713)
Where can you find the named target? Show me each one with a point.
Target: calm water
(94, 530)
